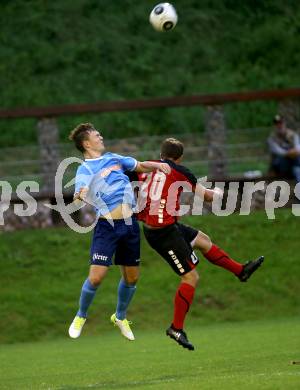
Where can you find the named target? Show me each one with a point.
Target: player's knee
(195, 278)
(206, 239)
(131, 275)
(95, 280)
(191, 278)
(131, 280)
(203, 241)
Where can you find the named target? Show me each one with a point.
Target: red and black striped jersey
(159, 194)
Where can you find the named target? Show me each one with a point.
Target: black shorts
(173, 243)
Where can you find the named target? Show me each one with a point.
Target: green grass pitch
(245, 335)
(243, 355)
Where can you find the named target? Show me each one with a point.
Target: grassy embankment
(41, 273)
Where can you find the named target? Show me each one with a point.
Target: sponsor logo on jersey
(105, 172)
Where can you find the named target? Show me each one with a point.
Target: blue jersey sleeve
(83, 178)
(127, 163)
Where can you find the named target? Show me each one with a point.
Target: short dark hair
(171, 148)
(80, 134)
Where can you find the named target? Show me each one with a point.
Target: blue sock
(88, 292)
(125, 294)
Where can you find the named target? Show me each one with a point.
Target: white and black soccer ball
(163, 17)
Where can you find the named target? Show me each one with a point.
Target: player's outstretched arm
(207, 194)
(149, 166)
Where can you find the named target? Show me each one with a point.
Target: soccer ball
(163, 17)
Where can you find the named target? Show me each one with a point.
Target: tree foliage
(83, 51)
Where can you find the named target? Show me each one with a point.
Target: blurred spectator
(284, 145)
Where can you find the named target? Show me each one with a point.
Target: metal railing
(23, 163)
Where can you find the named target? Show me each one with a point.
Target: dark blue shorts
(118, 239)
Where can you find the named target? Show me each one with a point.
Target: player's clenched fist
(81, 194)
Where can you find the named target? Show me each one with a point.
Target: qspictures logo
(277, 195)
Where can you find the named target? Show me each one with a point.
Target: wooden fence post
(290, 110)
(215, 130)
(49, 153)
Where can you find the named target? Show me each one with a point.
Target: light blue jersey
(108, 185)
